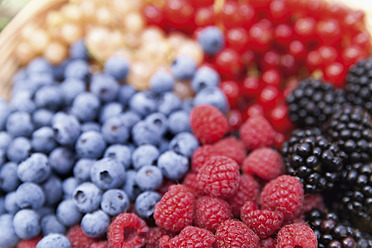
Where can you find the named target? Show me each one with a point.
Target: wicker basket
(36, 10)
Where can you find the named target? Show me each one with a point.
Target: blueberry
(90, 145)
(8, 177)
(144, 155)
(34, 169)
(145, 203)
(61, 160)
(114, 202)
(22, 101)
(18, 149)
(117, 67)
(173, 166)
(50, 224)
(68, 213)
(161, 82)
(159, 121)
(33, 83)
(8, 237)
(85, 106)
(78, 69)
(149, 177)
(42, 140)
(178, 122)
(211, 40)
(184, 144)
(10, 203)
(59, 70)
(205, 77)
(145, 133)
(212, 96)
(164, 145)
(126, 91)
(30, 195)
(87, 197)
(90, 126)
(4, 113)
(129, 118)
(5, 140)
(183, 67)
(168, 103)
(78, 50)
(19, 124)
(49, 96)
(143, 103)
(130, 186)
(109, 110)
(26, 224)
(39, 66)
(44, 211)
(107, 173)
(82, 168)
(2, 156)
(42, 117)
(2, 205)
(95, 224)
(188, 105)
(53, 191)
(70, 88)
(20, 75)
(66, 128)
(121, 153)
(115, 131)
(54, 240)
(104, 86)
(68, 186)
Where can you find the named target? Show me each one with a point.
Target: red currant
(254, 110)
(201, 3)
(350, 55)
(204, 17)
(153, 15)
(335, 73)
(269, 97)
(327, 54)
(283, 34)
(235, 119)
(236, 14)
(288, 64)
(353, 20)
(261, 35)
(179, 13)
(278, 11)
(280, 120)
(329, 31)
(231, 90)
(271, 60)
(313, 60)
(304, 28)
(297, 49)
(271, 77)
(250, 87)
(237, 39)
(228, 63)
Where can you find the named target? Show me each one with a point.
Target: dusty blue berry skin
(61, 160)
(19, 124)
(4, 113)
(34, 169)
(144, 155)
(95, 224)
(145, 133)
(211, 40)
(87, 197)
(116, 66)
(205, 77)
(18, 149)
(42, 117)
(110, 109)
(50, 224)
(70, 88)
(130, 186)
(82, 168)
(42, 140)
(2, 205)
(90, 126)
(183, 67)
(126, 91)
(212, 96)
(68, 213)
(130, 118)
(66, 128)
(78, 50)
(78, 69)
(49, 96)
(107, 173)
(168, 103)
(143, 103)
(173, 166)
(9, 180)
(30, 195)
(54, 240)
(10, 203)
(85, 106)
(5, 140)
(44, 211)
(90, 144)
(114, 202)
(121, 153)
(145, 203)
(115, 131)
(53, 191)
(22, 101)
(68, 186)
(149, 177)
(184, 144)
(159, 121)
(8, 237)
(39, 65)
(178, 122)
(161, 82)
(26, 224)
(2, 156)
(104, 86)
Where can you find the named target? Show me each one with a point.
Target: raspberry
(234, 233)
(200, 155)
(263, 222)
(191, 183)
(210, 212)
(219, 177)
(313, 201)
(175, 210)
(268, 243)
(284, 194)
(208, 123)
(153, 236)
(31, 243)
(231, 147)
(190, 236)
(101, 244)
(256, 132)
(296, 235)
(78, 238)
(127, 230)
(265, 162)
(248, 190)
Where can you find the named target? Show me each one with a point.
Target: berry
(149, 177)
(90, 144)
(263, 222)
(210, 212)
(145, 203)
(284, 194)
(178, 122)
(200, 155)
(117, 67)
(95, 224)
(208, 123)
(153, 236)
(8, 236)
(205, 77)
(78, 50)
(175, 209)
(107, 173)
(30, 195)
(230, 147)
(50, 224)
(184, 144)
(296, 235)
(161, 82)
(18, 149)
(9, 180)
(114, 202)
(85, 106)
(191, 183)
(43, 140)
(87, 197)
(100, 244)
(68, 213)
(267, 243)
(127, 230)
(212, 96)
(234, 233)
(34, 169)
(30, 243)
(66, 128)
(173, 166)
(26, 224)
(183, 67)
(104, 86)
(211, 40)
(144, 155)
(54, 240)
(219, 177)
(143, 103)
(264, 162)
(19, 124)
(192, 236)
(78, 238)
(121, 153)
(78, 69)
(257, 132)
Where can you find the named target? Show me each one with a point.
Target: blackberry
(309, 156)
(351, 129)
(358, 85)
(312, 102)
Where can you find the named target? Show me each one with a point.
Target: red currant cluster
(270, 46)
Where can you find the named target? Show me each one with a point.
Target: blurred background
(8, 9)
